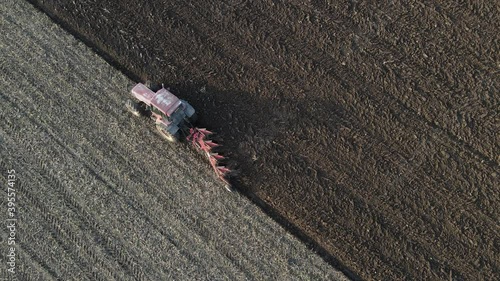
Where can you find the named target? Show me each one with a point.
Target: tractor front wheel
(166, 135)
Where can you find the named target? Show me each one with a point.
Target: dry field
(99, 195)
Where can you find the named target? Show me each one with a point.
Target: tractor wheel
(193, 118)
(133, 107)
(173, 138)
(152, 86)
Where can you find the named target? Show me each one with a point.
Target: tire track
(30, 259)
(60, 227)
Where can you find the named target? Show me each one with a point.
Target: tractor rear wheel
(193, 118)
(133, 107)
(173, 138)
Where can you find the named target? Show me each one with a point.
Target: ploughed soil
(367, 128)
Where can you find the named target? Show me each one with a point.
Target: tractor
(174, 119)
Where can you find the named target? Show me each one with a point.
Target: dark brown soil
(368, 129)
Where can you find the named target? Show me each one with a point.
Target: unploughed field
(99, 195)
(367, 128)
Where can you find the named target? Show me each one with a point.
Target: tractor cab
(171, 114)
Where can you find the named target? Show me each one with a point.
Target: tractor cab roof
(163, 100)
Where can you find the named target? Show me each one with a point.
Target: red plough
(198, 137)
